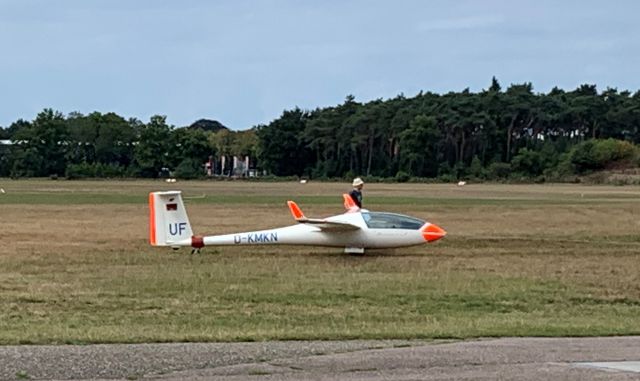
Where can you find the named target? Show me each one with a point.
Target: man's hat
(357, 181)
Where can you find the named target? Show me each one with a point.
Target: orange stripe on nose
(432, 232)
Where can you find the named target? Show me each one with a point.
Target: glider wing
(330, 225)
(320, 223)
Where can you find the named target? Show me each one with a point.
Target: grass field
(519, 260)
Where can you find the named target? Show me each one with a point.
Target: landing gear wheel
(354, 250)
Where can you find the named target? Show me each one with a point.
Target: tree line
(490, 134)
(108, 145)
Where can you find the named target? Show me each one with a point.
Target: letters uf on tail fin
(168, 221)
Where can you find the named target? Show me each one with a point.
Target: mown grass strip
(78, 198)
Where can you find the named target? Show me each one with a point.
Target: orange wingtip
(296, 212)
(349, 204)
(432, 232)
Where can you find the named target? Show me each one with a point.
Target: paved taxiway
(488, 359)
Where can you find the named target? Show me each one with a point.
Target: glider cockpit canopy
(381, 220)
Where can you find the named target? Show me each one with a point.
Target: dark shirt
(356, 195)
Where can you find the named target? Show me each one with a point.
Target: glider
(355, 230)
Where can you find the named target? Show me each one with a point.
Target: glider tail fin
(168, 221)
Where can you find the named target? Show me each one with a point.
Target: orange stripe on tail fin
(296, 212)
(168, 220)
(152, 219)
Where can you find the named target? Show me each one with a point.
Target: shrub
(598, 154)
(528, 162)
(447, 178)
(498, 170)
(188, 169)
(86, 170)
(402, 177)
(373, 179)
(475, 168)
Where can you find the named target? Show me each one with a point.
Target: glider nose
(432, 232)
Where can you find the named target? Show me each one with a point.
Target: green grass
(373, 201)
(82, 273)
(261, 297)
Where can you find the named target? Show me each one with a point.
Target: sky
(244, 62)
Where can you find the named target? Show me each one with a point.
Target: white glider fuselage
(308, 234)
(354, 230)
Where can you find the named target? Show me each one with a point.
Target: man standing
(356, 193)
